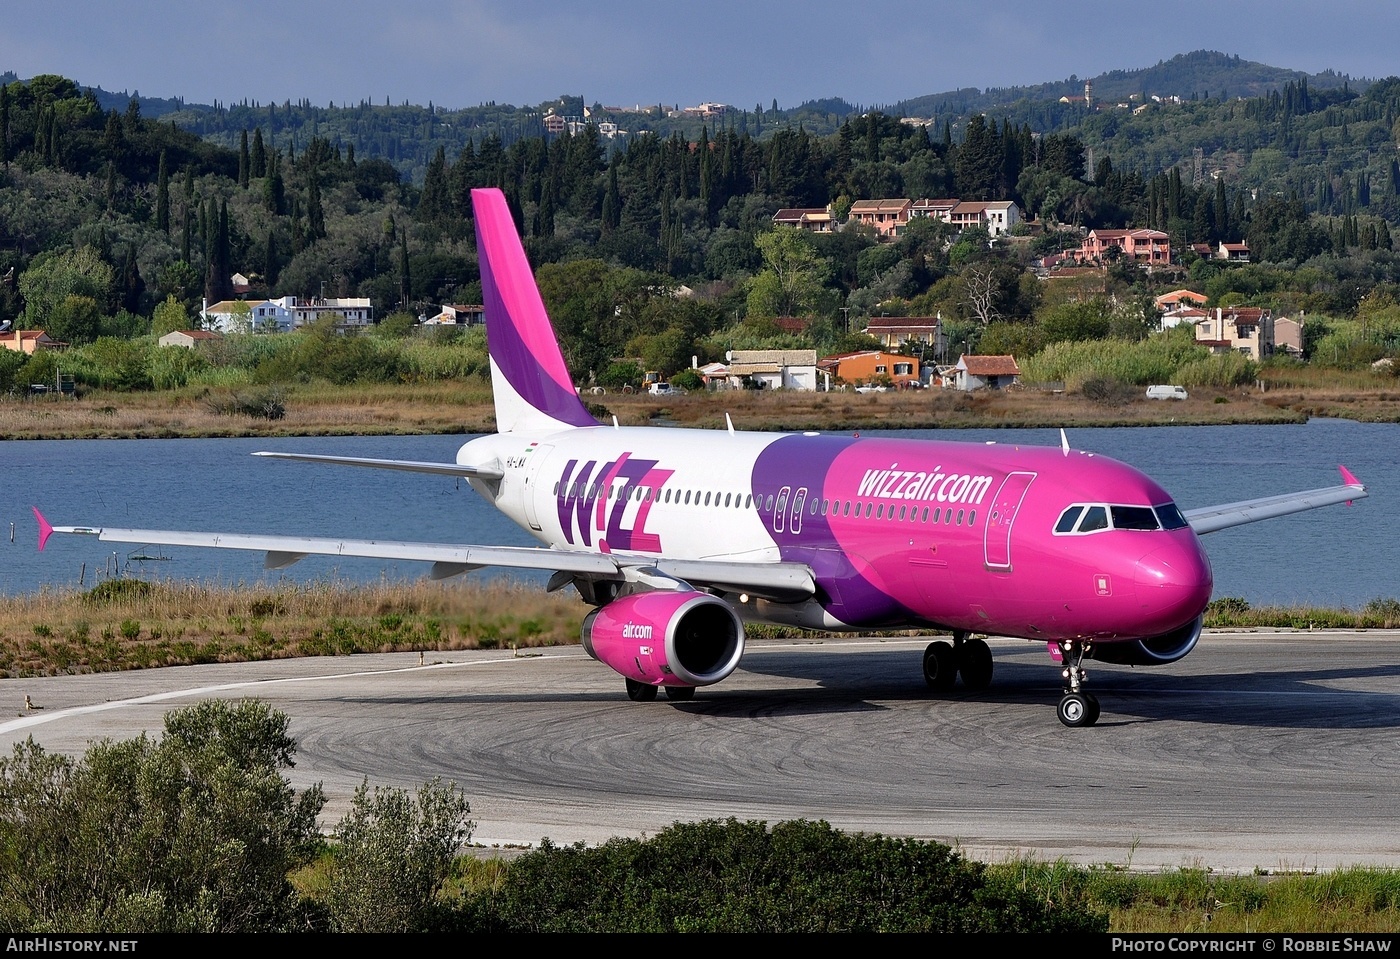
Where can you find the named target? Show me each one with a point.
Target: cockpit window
(1095, 517)
(1068, 518)
(1171, 517)
(1134, 517)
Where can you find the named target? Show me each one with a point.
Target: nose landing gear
(1077, 707)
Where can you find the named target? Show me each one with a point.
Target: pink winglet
(45, 528)
(1349, 478)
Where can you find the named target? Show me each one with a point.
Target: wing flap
(410, 466)
(1212, 518)
(284, 550)
(780, 581)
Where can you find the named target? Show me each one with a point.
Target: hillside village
(890, 254)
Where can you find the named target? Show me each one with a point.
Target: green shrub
(733, 876)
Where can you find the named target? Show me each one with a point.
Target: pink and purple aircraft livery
(678, 538)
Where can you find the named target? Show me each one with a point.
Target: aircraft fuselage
(897, 531)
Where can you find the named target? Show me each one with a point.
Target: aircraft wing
(781, 581)
(1211, 518)
(412, 466)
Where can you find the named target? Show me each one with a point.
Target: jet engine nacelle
(1153, 651)
(665, 638)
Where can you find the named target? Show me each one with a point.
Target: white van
(1166, 392)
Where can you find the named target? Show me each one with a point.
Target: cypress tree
(257, 159)
(5, 125)
(612, 201)
(315, 213)
(243, 160)
(163, 196)
(405, 283)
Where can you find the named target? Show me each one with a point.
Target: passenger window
(925, 519)
(972, 518)
(960, 515)
(1095, 518)
(1068, 518)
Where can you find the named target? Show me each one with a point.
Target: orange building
(874, 367)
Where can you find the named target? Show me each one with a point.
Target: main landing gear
(1077, 707)
(965, 656)
(640, 692)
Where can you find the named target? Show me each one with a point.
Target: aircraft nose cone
(1174, 581)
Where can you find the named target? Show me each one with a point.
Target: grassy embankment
(1288, 395)
(131, 624)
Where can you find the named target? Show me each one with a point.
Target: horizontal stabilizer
(410, 466)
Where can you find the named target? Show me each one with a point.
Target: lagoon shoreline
(449, 408)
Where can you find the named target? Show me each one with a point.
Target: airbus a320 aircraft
(678, 538)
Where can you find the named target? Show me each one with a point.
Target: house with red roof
(992, 372)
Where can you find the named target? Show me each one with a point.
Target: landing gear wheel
(1078, 709)
(975, 664)
(680, 694)
(640, 692)
(940, 666)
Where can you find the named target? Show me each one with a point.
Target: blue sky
(459, 53)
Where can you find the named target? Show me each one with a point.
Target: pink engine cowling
(1154, 651)
(666, 638)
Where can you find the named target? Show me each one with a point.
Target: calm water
(1337, 556)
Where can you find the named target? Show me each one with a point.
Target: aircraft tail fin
(531, 384)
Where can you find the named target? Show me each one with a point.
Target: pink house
(1143, 246)
(887, 216)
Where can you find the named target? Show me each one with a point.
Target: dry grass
(131, 624)
(451, 407)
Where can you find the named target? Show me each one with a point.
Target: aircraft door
(780, 510)
(997, 542)
(532, 494)
(795, 523)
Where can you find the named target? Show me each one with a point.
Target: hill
(1190, 76)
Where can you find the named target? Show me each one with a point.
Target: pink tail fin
(532, 386)
(45, 529)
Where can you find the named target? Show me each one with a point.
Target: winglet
(45, 528)
(1064, 442)
(1349, 478)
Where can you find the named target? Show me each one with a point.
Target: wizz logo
(585, 506)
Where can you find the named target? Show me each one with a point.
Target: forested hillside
(115, 225)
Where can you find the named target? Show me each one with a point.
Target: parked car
(1163, 392)
(665, 389)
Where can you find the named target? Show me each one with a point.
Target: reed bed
(133, 624)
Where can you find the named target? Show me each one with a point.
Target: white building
(285, 314)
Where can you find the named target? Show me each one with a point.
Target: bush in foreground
(731, 876)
